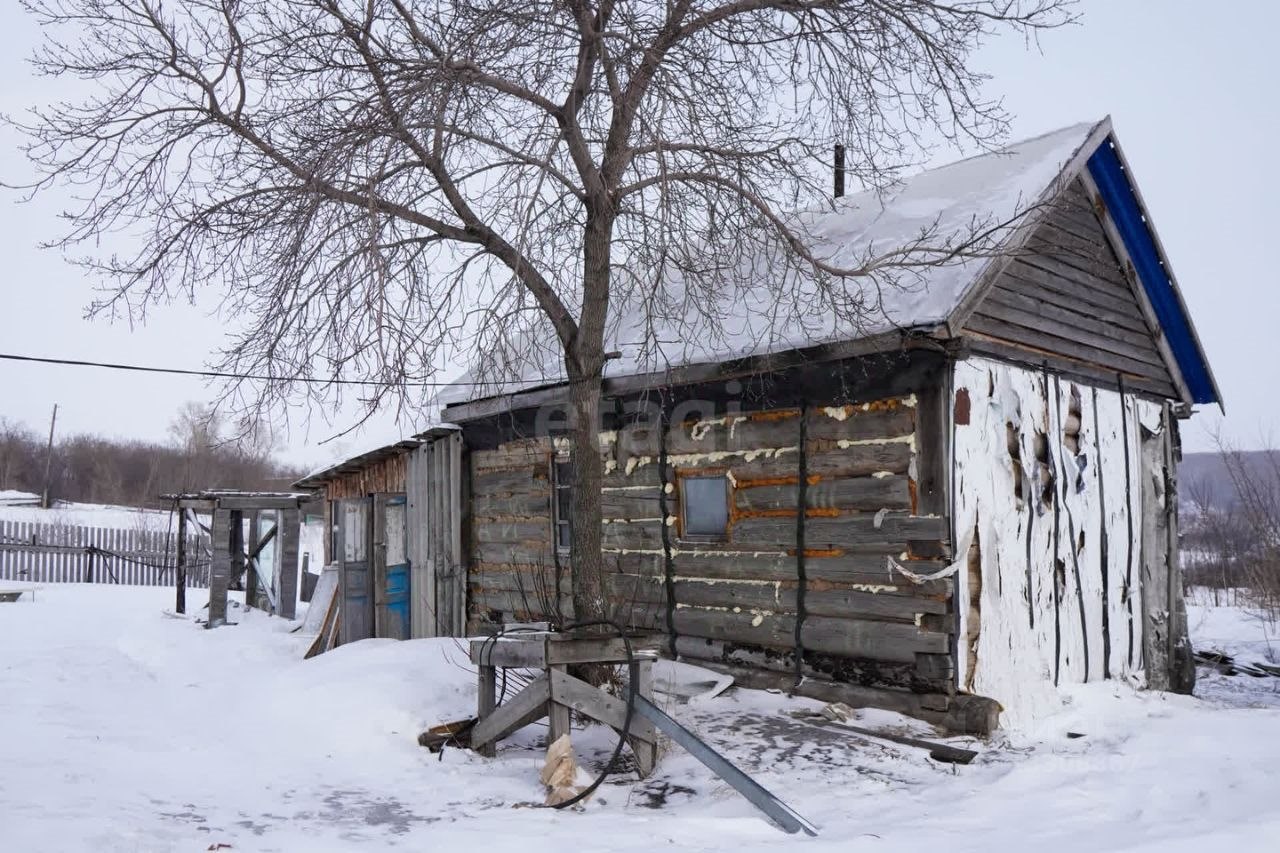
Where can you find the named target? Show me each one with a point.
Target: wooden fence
(66, 553)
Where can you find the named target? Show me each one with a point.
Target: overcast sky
(1191, 87)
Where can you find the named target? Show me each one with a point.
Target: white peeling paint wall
(1040, 626)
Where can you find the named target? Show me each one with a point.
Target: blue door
(393, 597)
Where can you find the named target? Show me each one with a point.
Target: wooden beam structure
(234, 554)
(555, 693)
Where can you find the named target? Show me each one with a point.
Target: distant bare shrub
(1246, 532)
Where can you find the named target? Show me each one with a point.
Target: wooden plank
(511, 532)
(37, 557)
(820, 599)
(826, 459)
(1085, 332)
(26, 561)
(1085, 371)
(851, 493)
(180, 566)
(249, 503)
(638, 504)
(888, 641)
(526, 453)
(1074, 312)
(557, 710)
(494, 504)
(220, 568)
(864, 564)
(254, 535)
(780, 428)
(1061, 248)
(645, 749)
(286, 574)
(525, 607)
(527, 706)
(1033, 280)
(828, 533)
(486, 700)
(643, 475)
(735, 433)
(564, 650)
(509, 652)
(522, 553)
(1054, 343)
(600, 706)
(1101, 273)
(527, 479)
(630, 535)
(714, 562)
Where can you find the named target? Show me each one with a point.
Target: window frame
(713, 474)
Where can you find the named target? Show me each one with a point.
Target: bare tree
(1253, 543)
(1214, 541)
(373, 184)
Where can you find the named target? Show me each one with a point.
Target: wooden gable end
(1064, 299)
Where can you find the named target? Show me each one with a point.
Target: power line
(219, 374)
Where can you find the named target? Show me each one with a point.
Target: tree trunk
(585, 368)
(587, 561)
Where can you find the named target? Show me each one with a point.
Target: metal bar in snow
(779, 812)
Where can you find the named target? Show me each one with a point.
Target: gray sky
(1191, 89)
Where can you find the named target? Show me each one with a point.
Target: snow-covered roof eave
(318, 478)
(990, 187)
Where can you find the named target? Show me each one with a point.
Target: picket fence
(68, 553)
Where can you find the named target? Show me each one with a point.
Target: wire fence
(69, 553)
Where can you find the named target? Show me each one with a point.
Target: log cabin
(951, 514)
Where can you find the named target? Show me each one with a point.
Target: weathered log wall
(834, 608)
(512, 570)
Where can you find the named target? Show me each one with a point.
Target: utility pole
(48, 458)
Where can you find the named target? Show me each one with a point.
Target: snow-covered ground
(93, 515)
(124, 729)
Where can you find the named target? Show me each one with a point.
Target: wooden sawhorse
(555, 692)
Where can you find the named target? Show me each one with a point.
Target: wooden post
(250, 572)
(180, 570)
(220, 565)
(488, 700)
(90, 555)
(286, 576)
(558, 713)
(48, 458)
(645, 749)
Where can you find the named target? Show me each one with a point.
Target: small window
(705, 505)
(562, 509)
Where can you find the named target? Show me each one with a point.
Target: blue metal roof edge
(1108, 172)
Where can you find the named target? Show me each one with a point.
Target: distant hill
(1208, 472)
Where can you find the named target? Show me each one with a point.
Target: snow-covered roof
(945, 201)
(989, 192)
